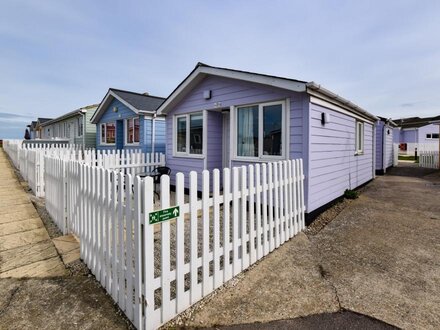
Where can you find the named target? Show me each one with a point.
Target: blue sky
(59, 55)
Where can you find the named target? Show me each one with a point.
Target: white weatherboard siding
(334, 167)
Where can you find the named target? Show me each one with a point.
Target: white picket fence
(154, 272)
(30, 158)
(429, 159)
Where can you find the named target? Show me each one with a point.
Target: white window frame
(284, 132)
(187, 154)
(359, 126)
(126, 132)
(100, 134)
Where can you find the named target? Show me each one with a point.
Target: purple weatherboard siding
(228, 92)
(330, 163)
(334, 167)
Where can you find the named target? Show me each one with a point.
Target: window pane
(130, 130)
(111, 132)
(428, 136)
(136, 130)
(247, 131)
(272, 117)
(435, 135)
(181, 134)
(196, 134)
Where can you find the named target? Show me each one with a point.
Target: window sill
(188, 156)
(359, 153)
(132, 144)
(259, 159)
(107, 144)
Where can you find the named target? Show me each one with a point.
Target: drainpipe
(83, 113)
(153, 132)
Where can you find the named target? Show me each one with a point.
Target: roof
(137, 102)
(416, 122)
(70, 114)
(43, 120)
(202, 70)
(388, 121)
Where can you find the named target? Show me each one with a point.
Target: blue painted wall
(145, 129)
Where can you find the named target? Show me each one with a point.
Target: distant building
(416, 132)
(127, 120)
(74, 126)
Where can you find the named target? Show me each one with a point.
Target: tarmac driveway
(380, 257)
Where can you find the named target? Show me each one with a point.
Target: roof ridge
(136, 93)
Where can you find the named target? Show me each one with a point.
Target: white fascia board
(128, 105)
(103, 105)
(100, 108)
(295, 86)
(339, 108)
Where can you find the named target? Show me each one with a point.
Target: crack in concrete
(325, 276)
(11, 298)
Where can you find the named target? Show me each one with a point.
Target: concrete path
(43, 284)
(26, 249)
(379, 257)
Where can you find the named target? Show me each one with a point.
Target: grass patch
(351, 194)
(409, 157)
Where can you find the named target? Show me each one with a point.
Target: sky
(59, 55)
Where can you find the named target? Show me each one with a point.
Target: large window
(359, 137)
(108, 133)
(260, 130)
(132, 131)
(189, 134)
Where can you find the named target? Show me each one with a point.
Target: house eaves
(69, 115)
(144, 104)
(319, 91)
(202, 70)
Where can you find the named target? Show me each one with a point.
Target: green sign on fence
(164, 215)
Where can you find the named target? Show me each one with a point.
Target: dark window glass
(272, 118)
(181, 134)
(196, 134)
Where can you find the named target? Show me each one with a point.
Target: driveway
(379, 257)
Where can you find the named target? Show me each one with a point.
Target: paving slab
(17, 214)
(20, 226)
(28, 254)
(68, 247)
(45, 268)
(23, 238)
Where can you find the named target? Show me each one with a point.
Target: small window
(132, 131)
(189, 134)
(429, 136)
(108, 133)
(435, 135)
(359, 137)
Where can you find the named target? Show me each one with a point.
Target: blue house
(127, 120)
(220, 117)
